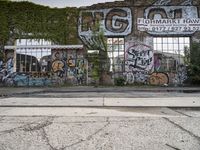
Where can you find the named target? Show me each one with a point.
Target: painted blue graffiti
(9, 65)
(39, 82)
(23, 79)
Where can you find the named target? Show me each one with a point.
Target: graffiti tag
(158, 78)
(58, 67)
(181, 75)
(139, 57)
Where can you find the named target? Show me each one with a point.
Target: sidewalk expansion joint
(103, 100)
(172, 147)
(181, 113)
(183, 129)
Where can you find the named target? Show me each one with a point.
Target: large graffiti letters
(89, 20)
(139, 57)
(113, 22)
(117, 21)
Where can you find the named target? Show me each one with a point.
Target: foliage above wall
(194, 65)
(28, 20)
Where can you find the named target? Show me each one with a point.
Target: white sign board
(176, 26)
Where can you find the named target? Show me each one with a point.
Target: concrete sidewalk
(101, 102)
(11, 91)
(88, 96)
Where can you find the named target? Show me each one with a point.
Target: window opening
(32, 59)
(169, 52)
(116, 54)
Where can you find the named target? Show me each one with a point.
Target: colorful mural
(66, 66)
(69, 66)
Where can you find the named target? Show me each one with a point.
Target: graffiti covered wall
(138, 22)
(8, 77)
(69, 66)
(166, 18)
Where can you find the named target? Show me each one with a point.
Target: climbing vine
(27, 20)
(194, 64)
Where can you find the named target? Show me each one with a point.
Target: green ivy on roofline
(27, 20)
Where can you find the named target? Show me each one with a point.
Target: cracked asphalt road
(98, 128)
(91, 129)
